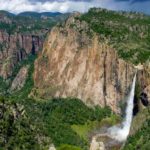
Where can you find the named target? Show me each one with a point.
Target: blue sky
(17, 6)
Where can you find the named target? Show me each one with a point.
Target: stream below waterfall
(114, 137)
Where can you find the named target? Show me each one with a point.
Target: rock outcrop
(52, 147)
(97, 145)
(15, 48)
(75, 62)
(20, 79)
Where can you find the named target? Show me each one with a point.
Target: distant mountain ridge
(36, 14)
(32, 14)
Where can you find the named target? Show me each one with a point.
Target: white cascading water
(121, 133)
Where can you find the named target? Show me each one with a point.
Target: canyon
(21, 36)
(66, 79)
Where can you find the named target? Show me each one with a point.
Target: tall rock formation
(15, 48)
(75, 62)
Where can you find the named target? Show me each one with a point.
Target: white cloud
(17, 6)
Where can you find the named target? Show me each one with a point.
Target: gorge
(64, 80)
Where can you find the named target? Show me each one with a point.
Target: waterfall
(121, 133)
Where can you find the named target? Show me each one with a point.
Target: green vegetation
(17, 130)
(28, 24)
(67, 113)
(128, 33)
(55, 117)
(84, 130)
(52, 119)
(46, 122)
(3, 86)
(68, 147)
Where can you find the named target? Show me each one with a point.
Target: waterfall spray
(121, 133)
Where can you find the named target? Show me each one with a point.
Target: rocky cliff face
(15, 48)
(76, 64)
(144, 82)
